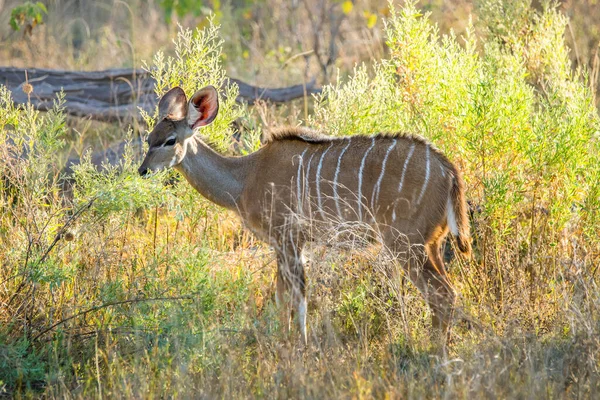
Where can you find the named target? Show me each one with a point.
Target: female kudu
(399, 185)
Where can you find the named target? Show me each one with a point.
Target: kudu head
(179, 120)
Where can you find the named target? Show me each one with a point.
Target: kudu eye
(170, 142)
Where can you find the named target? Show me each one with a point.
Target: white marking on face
(360, 174)
(298, 193)
(165, 142)
(410, 153)
(375, 195)
(335, 179)
(319, 199)
(394, 214)
(174, 159)
(190, 144)
(426, 176)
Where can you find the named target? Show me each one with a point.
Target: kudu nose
(143, 171)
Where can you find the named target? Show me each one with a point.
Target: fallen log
(115, 94)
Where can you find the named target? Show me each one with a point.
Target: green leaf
(13, 24)
(42, 7)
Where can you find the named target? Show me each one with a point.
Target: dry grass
(155, 293)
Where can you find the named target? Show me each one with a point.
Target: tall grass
(140, 289)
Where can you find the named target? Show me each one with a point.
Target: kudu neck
(218, 178)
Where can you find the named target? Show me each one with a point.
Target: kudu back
(301, 184)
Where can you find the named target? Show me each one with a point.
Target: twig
(106, 305)
(62, 230)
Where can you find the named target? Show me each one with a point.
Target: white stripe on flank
(308, 169)
(426, 177)
(298, 193)
(335, 180)
(377, 188)
(306, 179)
(443, 171)
(319, 199)
(410, 153)
(360, 173)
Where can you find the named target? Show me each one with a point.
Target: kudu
(398, 184)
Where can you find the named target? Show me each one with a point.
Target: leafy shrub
(54, 243)
(158, 294)
(30, 218)
(28, 15)
(197, 63)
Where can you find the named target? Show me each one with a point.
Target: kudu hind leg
(291, 288)
(442, 295)
(282, 298)
(429, 276)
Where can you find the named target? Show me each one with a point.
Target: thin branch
(106, 305)
(64, 228)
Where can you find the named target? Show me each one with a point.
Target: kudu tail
(458, 219)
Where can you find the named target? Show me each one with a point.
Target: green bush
(157, 293)
(509, 110)
(30, 217)
(99, 251)
(197, 63)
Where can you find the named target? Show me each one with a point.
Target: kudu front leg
(291, 290)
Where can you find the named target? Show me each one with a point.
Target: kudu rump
(299, 182)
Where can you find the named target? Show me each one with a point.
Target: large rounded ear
(203, 107)
(173, 105)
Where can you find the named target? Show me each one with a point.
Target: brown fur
(295, 133)
(270, 202)
(278, 196)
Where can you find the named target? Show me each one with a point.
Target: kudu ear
(203, 107)
(173, 105)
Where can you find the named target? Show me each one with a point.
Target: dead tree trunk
(115, 94)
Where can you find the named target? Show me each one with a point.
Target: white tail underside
(451, 217)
